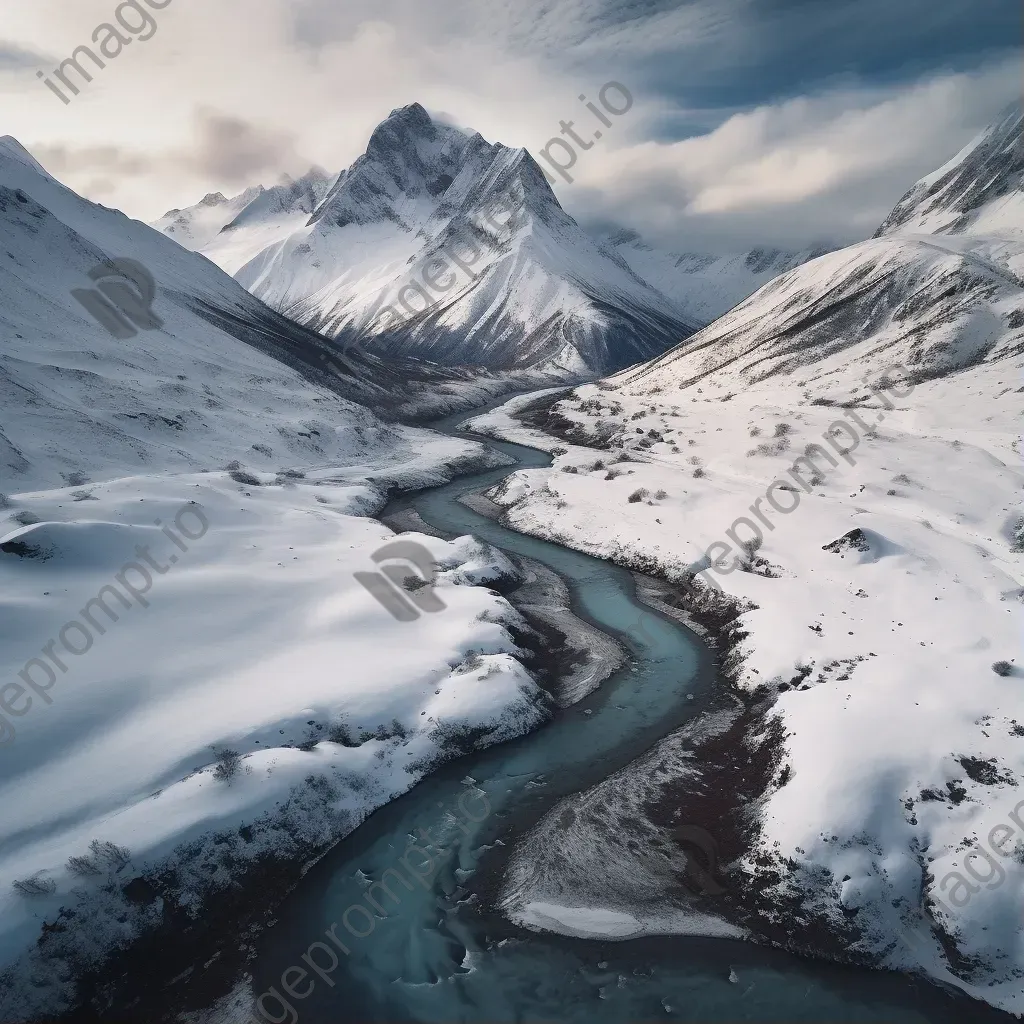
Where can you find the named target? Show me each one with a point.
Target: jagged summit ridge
(537, 290)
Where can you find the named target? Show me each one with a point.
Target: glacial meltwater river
(437, 955)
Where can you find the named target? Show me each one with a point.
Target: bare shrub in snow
(229, 761)
(1002, 668)
(755, 431)
(75, 479)
(782, 429)
(661, 495)
(83, 866)
(243, 476)
(750, 549)
(34, 886)
(110, 854)
(698, 472)
(341, 733)
(1017, 531)
(639, 494)
(263, 450)
(5, 502)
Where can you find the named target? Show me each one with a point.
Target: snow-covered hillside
(880, 604)
(224, 698)
(428, 203)
(75, 398)
(707, 285)
(938, 303)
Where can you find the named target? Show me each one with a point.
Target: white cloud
(826, 167)
(231, 92)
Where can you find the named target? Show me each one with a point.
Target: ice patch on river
(600, 923)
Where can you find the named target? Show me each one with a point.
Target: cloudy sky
(779, 122)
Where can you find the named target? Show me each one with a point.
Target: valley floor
(880, 621)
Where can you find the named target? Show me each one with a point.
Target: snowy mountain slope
(938, 303)
(880, 608)
(195, 227)
(707, 285)
(526, 287)
(978, 192)
(197, 718)
(909, 301)
(182, 395)
(875, 613)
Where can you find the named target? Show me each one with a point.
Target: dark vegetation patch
(855, 540)
(542, 415)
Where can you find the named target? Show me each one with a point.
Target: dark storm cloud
(735, 54)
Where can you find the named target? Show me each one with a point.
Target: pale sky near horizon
(778, 122)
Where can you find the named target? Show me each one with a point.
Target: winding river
(440, 956)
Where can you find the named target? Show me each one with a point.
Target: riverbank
(441, 953)
(181, 953)
(650, 480)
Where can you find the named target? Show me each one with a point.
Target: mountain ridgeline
(530, 289)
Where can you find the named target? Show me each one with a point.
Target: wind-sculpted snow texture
(537, 292)
(884, 611)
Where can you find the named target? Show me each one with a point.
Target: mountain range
(537, 290)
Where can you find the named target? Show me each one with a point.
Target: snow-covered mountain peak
(292, 197)
(526, 286)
